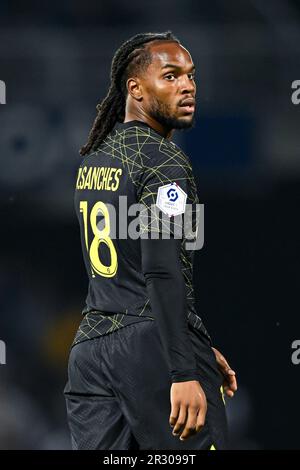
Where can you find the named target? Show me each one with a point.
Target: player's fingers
(228, 392)
(190, 426)
(229, 389)
(231, 382)
(222, 361)
(201, 418)
(225, 366)
(175, 407)
(180, 420)
(225, 369)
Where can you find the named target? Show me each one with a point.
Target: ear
(135, 88)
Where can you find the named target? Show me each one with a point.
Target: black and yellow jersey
(133, 165)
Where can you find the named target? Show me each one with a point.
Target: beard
(162, 113)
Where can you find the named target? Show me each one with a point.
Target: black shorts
(118, 393)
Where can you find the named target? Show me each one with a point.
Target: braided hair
(131, 58)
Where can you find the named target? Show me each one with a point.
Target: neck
(139, 116)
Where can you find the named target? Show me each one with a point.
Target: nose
(187, 85)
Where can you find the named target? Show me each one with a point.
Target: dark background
(55, 59)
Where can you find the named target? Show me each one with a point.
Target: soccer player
(142, 371)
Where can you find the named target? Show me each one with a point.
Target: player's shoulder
(92, 158)
(86, 159)
(170, 156)
(139, 134)
(151, 147)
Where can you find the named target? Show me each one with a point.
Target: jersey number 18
(100, 236)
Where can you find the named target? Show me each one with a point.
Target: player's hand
(229, 383)
(188, 408)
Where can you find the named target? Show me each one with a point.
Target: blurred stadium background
(55, 60)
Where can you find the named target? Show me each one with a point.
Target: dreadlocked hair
(131, 58)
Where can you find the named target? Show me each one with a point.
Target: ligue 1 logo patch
(171, 199)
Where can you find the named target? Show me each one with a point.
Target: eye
(191, 75)
(170, 76)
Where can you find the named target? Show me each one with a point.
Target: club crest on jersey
(171, 199)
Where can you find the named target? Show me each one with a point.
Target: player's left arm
(229, 382)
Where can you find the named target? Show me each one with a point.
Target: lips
(188, 105)
(188, 102)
